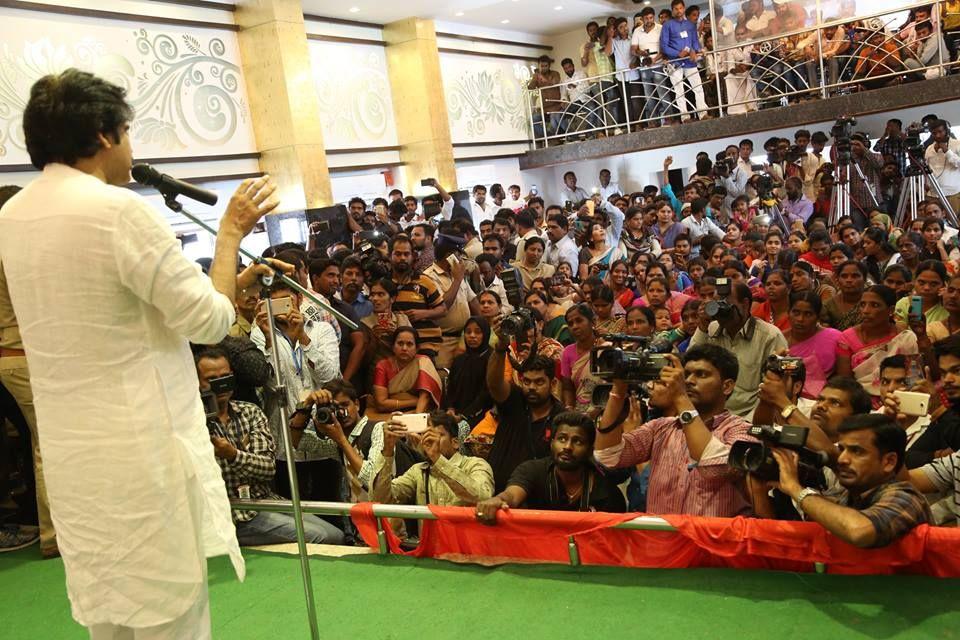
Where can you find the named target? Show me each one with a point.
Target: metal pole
(292, 474)
(940, 40)
(823, 70)
(626, 102)
(716, 56)
(529, 101)
(574, 552)
(543, 118)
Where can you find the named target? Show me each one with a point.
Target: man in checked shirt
(245, 450)
(688, 450)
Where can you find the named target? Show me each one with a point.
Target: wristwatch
(805, 493)
(788, 411)
(686, 417)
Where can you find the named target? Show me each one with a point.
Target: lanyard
(296, 351)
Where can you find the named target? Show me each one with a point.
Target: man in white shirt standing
(136, 496)
(571, 191)
(481, 208)
(608, 188)
(560, 246)
(943, 156)
(575, 94)
(645, 45)
(623, 60)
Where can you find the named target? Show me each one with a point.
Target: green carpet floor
(368, 597)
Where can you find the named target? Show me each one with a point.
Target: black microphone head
(145, 174)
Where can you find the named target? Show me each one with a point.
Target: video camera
(720, 309)
(517, 323)
(637, 364)
(784, 365)
(368, 241)
(911, 141)
(722, 165)
(757, 457)
(841, 131)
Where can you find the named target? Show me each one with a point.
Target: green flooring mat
(369, 597)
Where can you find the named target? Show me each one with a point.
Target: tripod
(913, 191)
(769, 208)
(840, 199)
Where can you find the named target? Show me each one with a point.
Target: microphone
(169, 186)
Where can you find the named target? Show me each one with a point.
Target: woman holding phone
(382, 323)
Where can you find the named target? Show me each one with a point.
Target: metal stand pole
(172, 203)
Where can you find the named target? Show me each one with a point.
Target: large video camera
(636, 360)
(722, 165)
(517, 323)
(757, 457)
(911, 141)
(841, 131)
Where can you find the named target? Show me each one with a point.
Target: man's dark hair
(7, 192)
(742, 292)
(447, 422)
(560, 219)
(699, 205)
(675, 3)
(351, 262)
(478, 187)
(801, 133)
(860, 399)
(488, 258)
(534, 200)
(398, 239)
(293, 256)
(949, 346)
(746, 141)
(539, 363)
(722, 359)
(819, 137)
(887, 434)
(577, 420)
(338, 386)
(211, 352)
(818, 236)
(492, 237)
(65, 114)
(898, 361)
(545, 58)
(317, 267)
(647, 11)
(534, 240)
(357, 199)
(565, 62)
(410, 199)
(395, 192)
(898, 121)
(525, 219)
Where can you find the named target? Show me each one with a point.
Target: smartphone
(591, 205)
(282, 306)
(452, 260)
(913, 403)
(413, 422)
(426, 182)
(916, 307)
(534, 190)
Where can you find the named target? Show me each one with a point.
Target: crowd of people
(664, 69)
(450, 356)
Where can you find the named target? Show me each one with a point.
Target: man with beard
(687, 451)
(421, 237)
(566, 480)
(417, 296)
(351, 288)
(942, 437)
(325, 278)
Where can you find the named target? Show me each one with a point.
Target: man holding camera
(246, 452)
(447, 478)
(727, 321)
(943, 157)
(877, 509)
(448, 274)
(687, 451)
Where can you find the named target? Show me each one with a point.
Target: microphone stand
(281, 390)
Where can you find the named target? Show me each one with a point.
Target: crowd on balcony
(668, 68)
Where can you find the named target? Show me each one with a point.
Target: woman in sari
(776, 308)
(928, 281)
(381, 324)
(405, 381)
(878, 254)
(575, 378)
(635, 239)
(556, 327)
(863, 347)
(467, 392)
(659, 296)
(842, 311)
(601, 301)
(803, 278)
(624, 295)
(816, 345)
(943, 329)
(596, 257)
(909, 245)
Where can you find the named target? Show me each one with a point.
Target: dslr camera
(325, 413)
(757, 457)
(720, 309)
(517, 323)
(784, 365)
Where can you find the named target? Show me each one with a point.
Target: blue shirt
(362, 306)
(675, 37)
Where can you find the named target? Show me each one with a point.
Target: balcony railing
(744, 74)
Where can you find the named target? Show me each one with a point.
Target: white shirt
(303, 371)
(106, 303)
(522, 240)
(700, 228)
(575, 87)
(497, 287)
(650, 42)
(612, 188)
(622, 59)
(563, 251)
(481, 213)
(576, 195)
(946, 166)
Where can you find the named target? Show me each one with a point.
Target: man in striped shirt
(687, 451)
(417, 296)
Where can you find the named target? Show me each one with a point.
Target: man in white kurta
(106, 303)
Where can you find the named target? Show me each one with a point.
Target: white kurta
(106, 303)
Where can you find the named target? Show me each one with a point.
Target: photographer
(733, 327)
(525, 413)
(447, 478)
(246, 452)
(943, 157)
(688, 451)
(877, 509)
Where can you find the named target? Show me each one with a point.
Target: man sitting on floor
(566, 480)
(245, 450)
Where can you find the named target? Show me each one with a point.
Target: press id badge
(683, 34)
(244, 491)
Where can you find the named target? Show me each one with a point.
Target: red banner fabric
(522, 535)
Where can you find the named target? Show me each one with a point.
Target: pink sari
(865, 359)
(819, 353)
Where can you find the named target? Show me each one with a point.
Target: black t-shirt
(346, 342)
(944, 433)
(517, 438)
(544, 490)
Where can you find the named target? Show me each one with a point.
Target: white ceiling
(529, 16)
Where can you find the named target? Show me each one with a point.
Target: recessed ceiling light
(646, 2)
(558, 8)
(458, 13)
(505, 21)
(354, 9)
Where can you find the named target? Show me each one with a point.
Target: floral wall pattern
(354, 91)
(485, 101)
(185, 86)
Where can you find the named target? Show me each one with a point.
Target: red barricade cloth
(522, 535)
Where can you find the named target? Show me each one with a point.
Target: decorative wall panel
(485, 101)
(185, 85)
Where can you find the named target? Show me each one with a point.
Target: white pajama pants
(693, 75)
